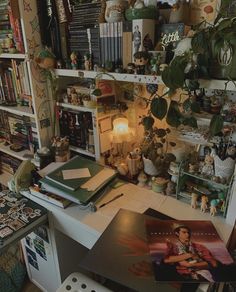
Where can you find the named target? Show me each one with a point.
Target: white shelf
(211, 83)
(110, 76)
(77, 107)
(13, 56)
(82, 151)
(22, 155)
(18, 110)
(5, 177)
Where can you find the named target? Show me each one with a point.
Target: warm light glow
(121, 130)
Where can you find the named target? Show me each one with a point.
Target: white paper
(75, 173)
(49, 168)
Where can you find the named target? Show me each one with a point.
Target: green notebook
(56, 176)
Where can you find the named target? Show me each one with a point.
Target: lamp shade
(121, 130)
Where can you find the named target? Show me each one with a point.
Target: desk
(85, 227)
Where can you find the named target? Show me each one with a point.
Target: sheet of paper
(76, 173)
(49, 168)
(93, 183)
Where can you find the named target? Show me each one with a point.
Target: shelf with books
(22, 155)
(13, 56)
(4, 178)
(18, 110)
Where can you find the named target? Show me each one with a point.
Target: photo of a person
(136, 38)
(188, 251)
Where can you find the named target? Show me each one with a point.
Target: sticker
(39, 247)
(32, 259)
(5, 232)
(41, 231)
(16, 224)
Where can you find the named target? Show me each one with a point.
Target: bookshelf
(24, 83)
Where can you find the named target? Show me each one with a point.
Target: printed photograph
(188, 251)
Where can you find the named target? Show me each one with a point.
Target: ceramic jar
(149, 167)
(115, 10)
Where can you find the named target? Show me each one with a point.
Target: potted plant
(154, 148)
(211, 53)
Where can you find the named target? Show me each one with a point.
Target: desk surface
(86, 227)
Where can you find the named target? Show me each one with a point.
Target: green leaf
(161, 133)
(173, 115)
(225, 23)
(193, 85)
(159, 107)
(199, 43)
(172, 144)
(217, 46)
(148, 122)
(216, 124)
(190, 121)
(97, 92)
(195, 107)
(187, 104)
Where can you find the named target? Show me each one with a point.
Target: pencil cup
(133, 165)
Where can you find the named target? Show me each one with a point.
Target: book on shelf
(84, 188)
(49, 197)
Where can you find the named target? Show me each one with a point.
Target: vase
(115, 10)
(224, 168)
(149, 167)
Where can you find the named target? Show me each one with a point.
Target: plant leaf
(148, 122)
(159, 107)
(173, 114)
(190, 121)
(195, 107)
(216, 124)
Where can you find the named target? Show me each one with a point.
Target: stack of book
(83, 31)
(78, 180)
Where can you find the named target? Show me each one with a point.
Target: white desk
(85, 227)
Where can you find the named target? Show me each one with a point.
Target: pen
(116, 197)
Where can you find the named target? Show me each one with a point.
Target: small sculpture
(87, 62)
(141, 60)
(213, 205)
(142, 179)
(74, 60)
(204, 201)
(207, 168)
(194, 198)
(171, 188)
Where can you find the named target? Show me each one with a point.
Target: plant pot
(159, 184)
(224, 65)
(142, 13)
(224, 168)
(149, 167)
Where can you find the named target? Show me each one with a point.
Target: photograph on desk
(188, 251)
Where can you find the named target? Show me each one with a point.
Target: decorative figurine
(87, 62)
(171, 188)
(142, 179)
(74, 60)
(141, 60)
(207, 168)
(204, 201)
(213, 205)
(194, 197)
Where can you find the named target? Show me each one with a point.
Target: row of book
(78, 128)
(14, 83)
(8, 163)
(11, 39)
(18, 130)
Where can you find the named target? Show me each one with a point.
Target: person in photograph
(136, 38)
(191, 260)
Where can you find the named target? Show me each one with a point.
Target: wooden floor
(30, 287)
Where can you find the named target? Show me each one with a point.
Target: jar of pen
(60, 148)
